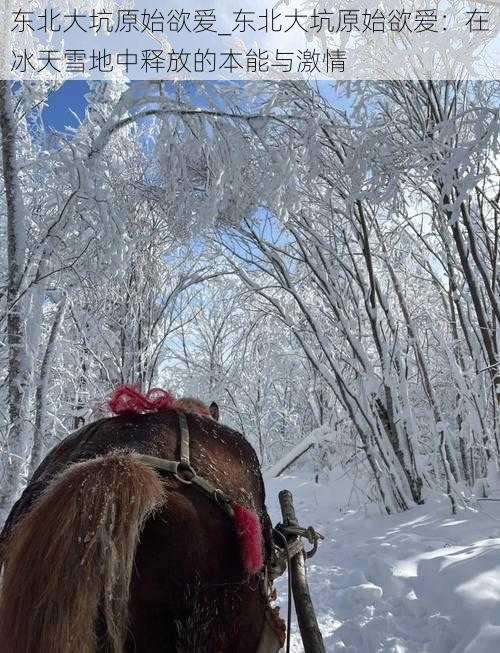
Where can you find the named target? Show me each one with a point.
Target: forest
(322, 260)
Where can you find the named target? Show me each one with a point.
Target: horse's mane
(50, 573)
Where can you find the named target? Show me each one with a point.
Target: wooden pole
(306, 617)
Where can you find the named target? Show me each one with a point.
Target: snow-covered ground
(419, 582)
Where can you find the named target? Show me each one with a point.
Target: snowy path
(419, 582)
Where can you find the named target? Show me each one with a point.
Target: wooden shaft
(306, 617)
(287, 508)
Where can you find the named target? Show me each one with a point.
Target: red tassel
(126, 400)
(249, 534)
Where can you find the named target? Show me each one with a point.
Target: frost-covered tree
(384, 174)
(94, 216)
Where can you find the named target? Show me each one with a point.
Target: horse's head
(104, 485)
(193, 405)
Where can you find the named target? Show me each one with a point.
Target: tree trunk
(16, 443)
(41, 391)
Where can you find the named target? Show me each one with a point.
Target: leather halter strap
(184, 429)
(183, 471)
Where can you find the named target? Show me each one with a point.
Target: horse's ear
(214, 411)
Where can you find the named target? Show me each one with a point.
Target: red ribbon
(127, 400)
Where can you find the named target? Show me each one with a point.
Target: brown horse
(103, 552)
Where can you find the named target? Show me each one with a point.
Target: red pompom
(126, 400)
(249, 534)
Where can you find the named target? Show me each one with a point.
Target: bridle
(184, 472)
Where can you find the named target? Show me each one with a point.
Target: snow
(422, 581)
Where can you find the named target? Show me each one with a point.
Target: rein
(286, 548)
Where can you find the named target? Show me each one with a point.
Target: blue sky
(70, 97)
